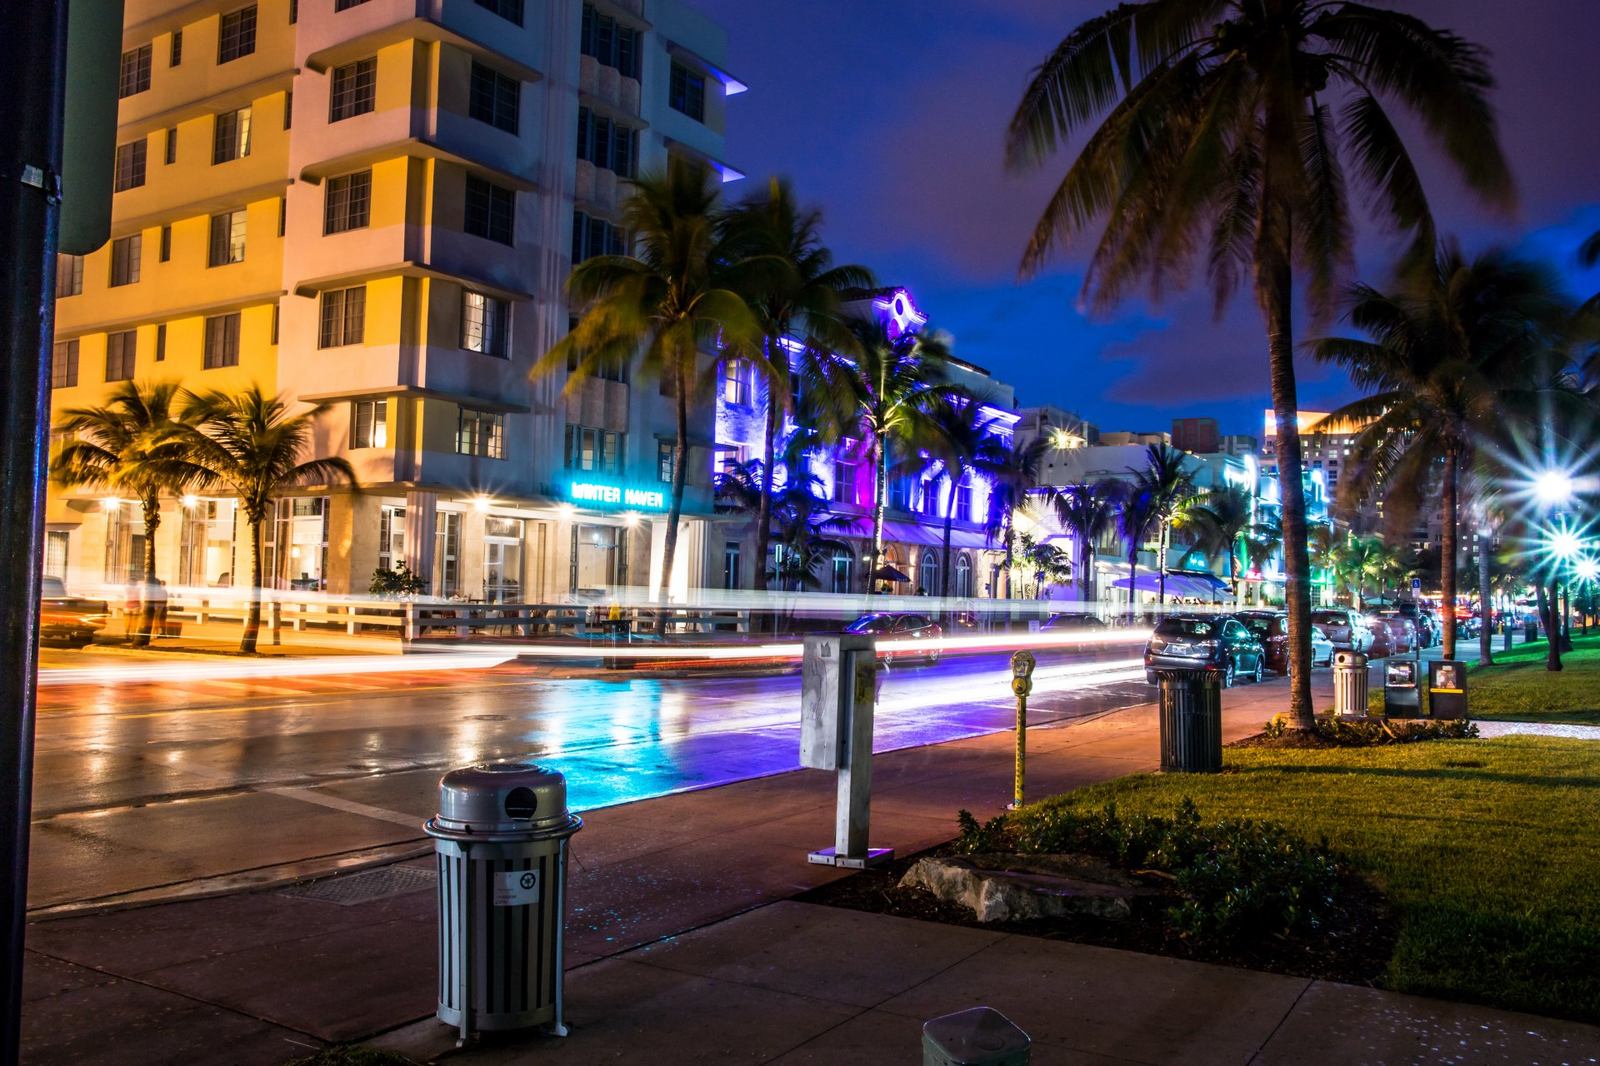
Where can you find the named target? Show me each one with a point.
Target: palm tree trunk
(1161, 568)
(1010, 552)
(252, 618)
(764, 510)
(1447, 555)
(944, 560)
(880, 475)
(1275, 292)
(1133, 583)
(147, 609)
(1547, 615)
(1485, 613)
(680, 471)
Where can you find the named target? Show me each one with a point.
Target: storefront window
(446, 554)
(842, 564)
(594, 557)
(124, 544)
(206, 556)
(730, 565)
(930, 574)
(300, 544)
(391, 537)
(963, 575)
(502, 560)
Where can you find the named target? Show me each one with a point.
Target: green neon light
(625, 496)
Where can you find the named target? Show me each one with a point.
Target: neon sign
(618, 495)
(902, 314)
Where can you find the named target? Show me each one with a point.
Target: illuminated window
(343, 318)
(227, 238)
(964, 500)
(347, 203)
(481, 433)
(230, 137)
(594, 449)
(129, 167)
(64, 365)
(736, 382)
(120, 350)
(355, 90)
(494, 98)
(236, 36)
(666, 460)
(484, 322)
(369, 427)
(135, 72)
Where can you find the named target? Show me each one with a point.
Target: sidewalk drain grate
(365, 887)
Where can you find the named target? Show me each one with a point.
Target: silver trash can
(500, 840)
(979, 1036)
(1349, 683)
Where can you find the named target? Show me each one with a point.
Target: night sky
(890, 115)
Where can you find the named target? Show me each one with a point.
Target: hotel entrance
(599, 558)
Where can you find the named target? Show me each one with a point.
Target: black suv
(1194, 642)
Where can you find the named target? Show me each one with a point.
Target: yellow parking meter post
(1022, 664)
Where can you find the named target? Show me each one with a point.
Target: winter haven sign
(617, 495)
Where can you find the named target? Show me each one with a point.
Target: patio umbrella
(889, 573)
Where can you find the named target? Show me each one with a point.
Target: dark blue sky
(890, 115)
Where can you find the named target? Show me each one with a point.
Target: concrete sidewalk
(682, 949)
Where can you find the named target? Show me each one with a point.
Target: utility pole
(33, 53)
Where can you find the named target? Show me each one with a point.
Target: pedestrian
(132, 608)
(159, 595)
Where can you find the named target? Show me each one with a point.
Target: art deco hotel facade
(374, 205)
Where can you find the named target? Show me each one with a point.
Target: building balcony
(596, 188)
(607, 87)
(328, 38)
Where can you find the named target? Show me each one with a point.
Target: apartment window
(120, 348)
(344, 317)
(595, 236)
(510, 10)
(135, 72)
(283, 214)
(964, 501)
(730, 565)
(666, 460)
(491, 210)
(610, 42)
(171, 155)
(161, 342)
(294, 11)
(236, 38)
(369, 426)
(125, 257)
(606, 143)
(231, 136)
(494, 98)
(273, 339)
(481, 433)
(69, 275)
(736, 382)
(227, 238)
(176, 55)
(288, 109)
(484, 322)
(593, 449)
(129, 172)
(222, 341)
(346, 5)
(165, 252)
(348, 203)
(391, 537)
(687, 92)
(844, 482)
(355, 90)
(64, 366)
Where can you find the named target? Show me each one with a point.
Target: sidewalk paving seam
(1287, 1014)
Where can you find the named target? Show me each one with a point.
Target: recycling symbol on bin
(529, 880)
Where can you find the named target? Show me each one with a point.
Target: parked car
(890, 625)
(1402, 631)
(1199, 643)
(1091, 628)
(1343, 628)
(1383, 642)
(1429, 632)
(68, 618)
(1271, 628)
(1469, 626)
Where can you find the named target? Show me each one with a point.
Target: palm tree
(962, 442)
(1457, 350)
(249, 444)
(1086, 512)
(794, 290)
(1225, 516)
(130, 444)
(803, 523)
(880, 393)
(1136, 518)
(1265, 543)
(1012, 478)
(1168, 485)
(1219, 139)
(662, 307)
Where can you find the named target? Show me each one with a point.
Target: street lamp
(1553, 488)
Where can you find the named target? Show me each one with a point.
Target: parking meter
(1022, 664)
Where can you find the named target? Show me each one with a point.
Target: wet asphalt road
(138, 786)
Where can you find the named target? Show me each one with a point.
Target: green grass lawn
(1490, 849)
(1518, 688)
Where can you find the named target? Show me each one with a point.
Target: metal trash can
(981, 1036)
(1349, 683)
(500, 839)
(1530, 631)
(1191, 720)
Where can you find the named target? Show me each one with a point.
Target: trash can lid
(977, 1035)
(502, 797)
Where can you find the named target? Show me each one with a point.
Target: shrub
(1369, 732)
(393, 584)
(1235, 877)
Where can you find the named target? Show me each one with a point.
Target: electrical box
(1447, 688)
(837, 675)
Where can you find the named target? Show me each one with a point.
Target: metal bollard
(1191, 720)
(501, 844)
(981, 1036)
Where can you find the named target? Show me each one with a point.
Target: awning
(929, 536)
(1196, 586)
